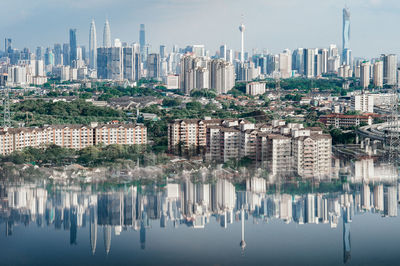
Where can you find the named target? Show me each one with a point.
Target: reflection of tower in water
(242, 242)
(107, 238)
(346, 236)
(93, 229)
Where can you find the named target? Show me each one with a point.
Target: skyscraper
(7, 45)
(92, 46)
(162, 51)
(66, 54)
(153, 66)
(378, 74)
(222, 52)
(58, 58)
(242, 28)
(107, 34)
(72, 45)
(365, 74)
(309, 63)
(346, 54)
(142, 40)
(390, 69)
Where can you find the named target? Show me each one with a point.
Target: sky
(271, 25)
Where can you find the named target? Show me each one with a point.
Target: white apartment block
(363, 103)
(71, 136)
(312, 155)
(255, 88)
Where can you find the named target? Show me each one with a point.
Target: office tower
(346, 37)
(390, 69)
(7, 45)
(324, 55)
(49, 57)
(162, 51)
(107, 35)
(153, 66)
(298, 60)
(110, 63)
(378, 74)
(39, 53)
(66, 54)
(58, 57)
(309, 63)
(128, 56)
(222, 52)
(285, 64)
(72, 46)
(365, 74)
(83, 49)
(92, 46)
(230, 55)
(142, 41)
(137, 62)
(242, 29)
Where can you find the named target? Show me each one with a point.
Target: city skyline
(164, 27)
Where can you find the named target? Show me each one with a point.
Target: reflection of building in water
(192, 204)
(366, 170)
(107, 238)
(346, 236)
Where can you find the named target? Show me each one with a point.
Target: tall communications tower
(242, 29)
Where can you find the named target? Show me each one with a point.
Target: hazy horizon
(270, 25)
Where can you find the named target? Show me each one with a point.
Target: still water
(186, 223)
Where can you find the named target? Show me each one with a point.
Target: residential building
(71, 136)
(363, 103)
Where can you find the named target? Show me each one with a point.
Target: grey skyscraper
(110, 63)
(389, 69)
(346, 37)
(142, 41)
(72, 46)
(92, 46)
(162, 51)
(107, 34)
(39, 53)
(7, 45)
(309, 63)
(153, 66)
(58, 58)
(66, 54)
(222, 51)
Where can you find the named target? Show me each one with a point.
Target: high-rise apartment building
(285, 64)
(390, 69)
(309, 63)
(365, 74)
